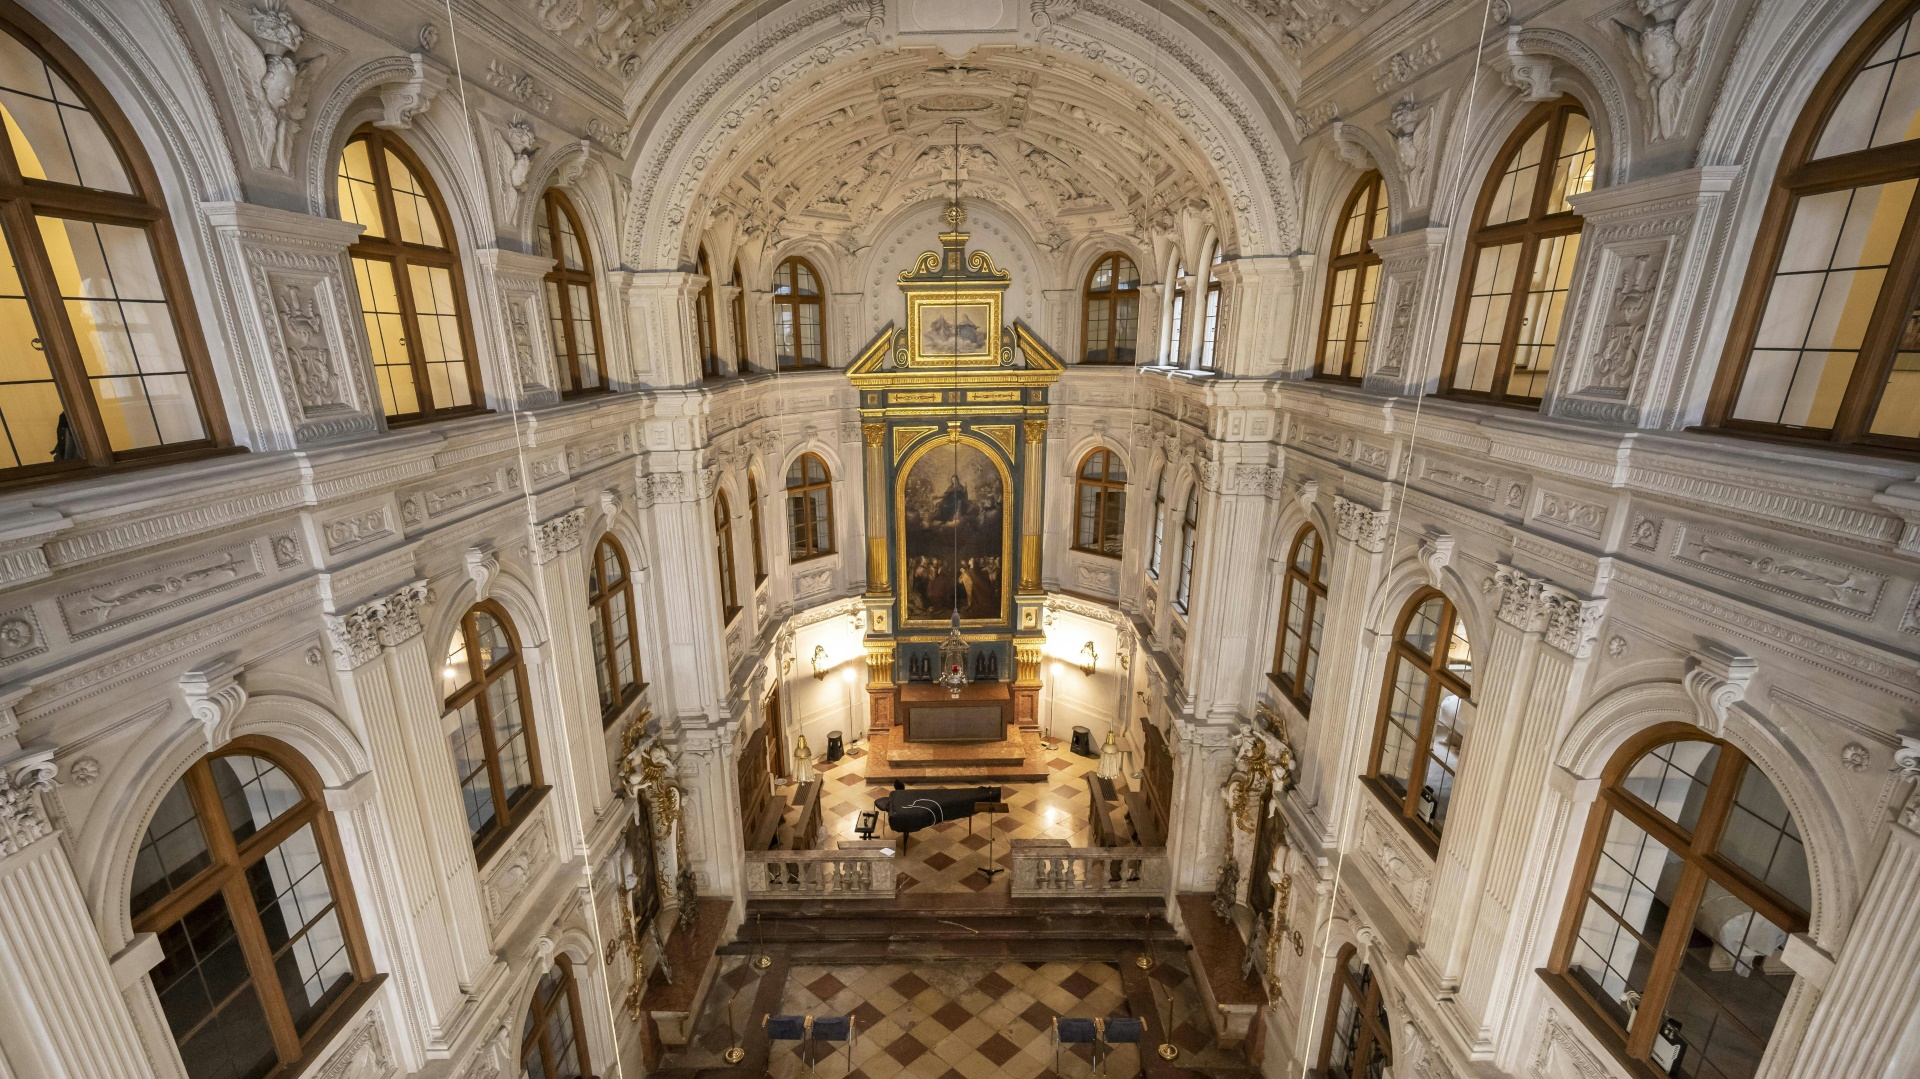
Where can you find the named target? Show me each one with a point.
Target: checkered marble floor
(947, 857)
(953, 1019)
(937, 1020)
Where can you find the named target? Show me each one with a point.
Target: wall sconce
(820, 663)
(1089, 658)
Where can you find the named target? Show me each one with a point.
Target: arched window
(1826, 341)
(553, 1040)
(1112, 302)
(1178, 320)
(723, 538)
(1357, 1042)
(104, 366)
(703, 322)
(1353, 281)
(241, 879)
(737, 311)
(809, 508)
(799, 339)
(485, 685)
(573, 314)
(1159, 524)
(616, 645)
(1691, 878)
(753, 525)
(1189, 531)
(1416, 743)
(1520, 259)
(1100, 504)
(407, 267)
(1210, 325)
(1303, 610)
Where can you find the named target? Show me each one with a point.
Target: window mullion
(496, 785)
(1423, 739)
(1516, 313)
(64, 361)
(410, 322)
(564, 288)
(1882, 338)
(252, 937)
(1666, 961)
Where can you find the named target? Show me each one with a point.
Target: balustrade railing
(1045, 867)
(853, 870)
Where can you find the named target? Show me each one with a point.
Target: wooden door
(777, 738)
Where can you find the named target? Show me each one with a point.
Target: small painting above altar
(955, 524)
(961, 331)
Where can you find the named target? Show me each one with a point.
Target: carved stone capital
(557, 535)
(214, 697)
(875, 433)
(398, 618)
(1572, 623)
(1362, 525)
(1519, 602)
(1036, 431)
(23, 779)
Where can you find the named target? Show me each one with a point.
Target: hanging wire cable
(517, 405)
(1397, 513)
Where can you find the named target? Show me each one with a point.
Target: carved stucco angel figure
(519, 142)
(271, 81)
(1665, 53)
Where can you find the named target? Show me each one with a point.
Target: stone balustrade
(851, 870)
(1049, 867)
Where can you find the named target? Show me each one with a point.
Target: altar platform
(1017, 758)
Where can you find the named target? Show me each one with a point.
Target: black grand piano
(908, 811)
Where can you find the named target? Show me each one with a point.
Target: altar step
(1019, 758)
(867, 932)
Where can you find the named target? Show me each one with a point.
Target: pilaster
(61, 1014)
(560, 575)
(1868, 1020)
(306, 373)
(412, 912)
(520, 334)
(661, 329)
(1643, 271)
(1258, 305)
(1410, 310)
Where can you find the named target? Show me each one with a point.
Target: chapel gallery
(948, 539)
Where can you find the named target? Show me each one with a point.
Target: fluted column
(421, 945)
(879, 581)
(61, 1014)
(561, 578)
(1032, 493)
(414, 675)
(1867, 1025)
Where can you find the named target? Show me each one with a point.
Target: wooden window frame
(555, 204)
(1105, 490)
(400, 255)
(737, 311)
(1701, 864)
(600, 608)
(723, 547)
(1371, 189)
(227, 876)
(1315, 584)
(1797, 176)
(753, 527)
(1189, 533)
(1529, 231)
(23, 200)
(793, 299)
(799, 498)
(507, 816)
(1367, 1003)
(705, 327)
(1407, 808)
(539, 1011)
(1113, 295)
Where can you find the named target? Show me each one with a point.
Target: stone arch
(108, 852)
(1597, 735)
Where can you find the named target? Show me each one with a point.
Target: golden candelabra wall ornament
(1089, 658)
(820, 664)
(1252, 776)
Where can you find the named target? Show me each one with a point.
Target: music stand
(990, 869)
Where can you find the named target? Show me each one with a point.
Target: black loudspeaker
(835, 748)
(1083, 743)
